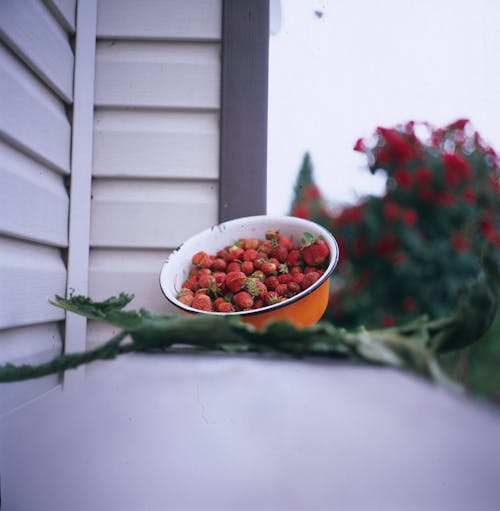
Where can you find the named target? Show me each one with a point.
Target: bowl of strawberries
(259, 268)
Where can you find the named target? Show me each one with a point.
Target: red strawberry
(255, 287)
(316, 254)
(285, 241)
(202, 259)
(235, 280)
(293, 288)
(233, 266)
(271, 282)
(309, 279)
(258, 274)
(285, 278)
(234, 252)
(185, 296)
(219, 264)
(280, 253)
(202, 302)
(281, 289)
(268, 268)
(293, 258)
(224, 306)
(248, 243)
(243, 300)
(271, 297)
(250, 254)
(247, 267)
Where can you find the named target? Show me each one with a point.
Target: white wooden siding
(40, 41)
(33, 199)
(157, 75)
(156, 142)
(65, 12)
(153, 19)
(150, 214)
(32, 116)
(36, 89)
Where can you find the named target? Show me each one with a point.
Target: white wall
(156, 141)
(36, 89)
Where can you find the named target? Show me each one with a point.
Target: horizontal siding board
(32, 117)
(33, 200)
(33, 344)
(154, 19)
(32, 32)
(157, 75)
(132, 271)
(65, 12)
(30, 275)
(156, 144)
(150, 214)
(30, 344)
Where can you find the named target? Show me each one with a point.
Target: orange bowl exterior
(304, 312)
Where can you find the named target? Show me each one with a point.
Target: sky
(340, 68)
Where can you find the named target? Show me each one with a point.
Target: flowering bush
(414, 249)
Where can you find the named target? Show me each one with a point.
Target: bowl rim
(327, 235)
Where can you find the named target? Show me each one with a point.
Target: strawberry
(243, 300)
(185, 296)
(293, 258)
(271, 297)
(280, 253)
(271, 282)
(249, 243)
(255, 287)
(247, 267)
(234, 253)
(293, 288)
(309, 279)
(285, 241)
(258, 274)
(250, 254)
(219, 264)
(233, 266)
(235, 280)
(316, 253)
(285, 278)
(202, 302)
(224, 306)
(202, 260)
(281, 289)
(207, 281)
(268, 268)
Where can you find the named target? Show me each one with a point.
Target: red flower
(395, 149)
(391, 211)
(386, 244)
(423, 176)
(387, 321)
(409, 217)
(456, 169)
(445, 199)
(409, 304)
(311, 192)
(301, 211)
(460, 242)
(403, 178)
(400, 257)
(359, 145)
(459, 124)
(488, 230)
(427, 194)
(469, 196)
